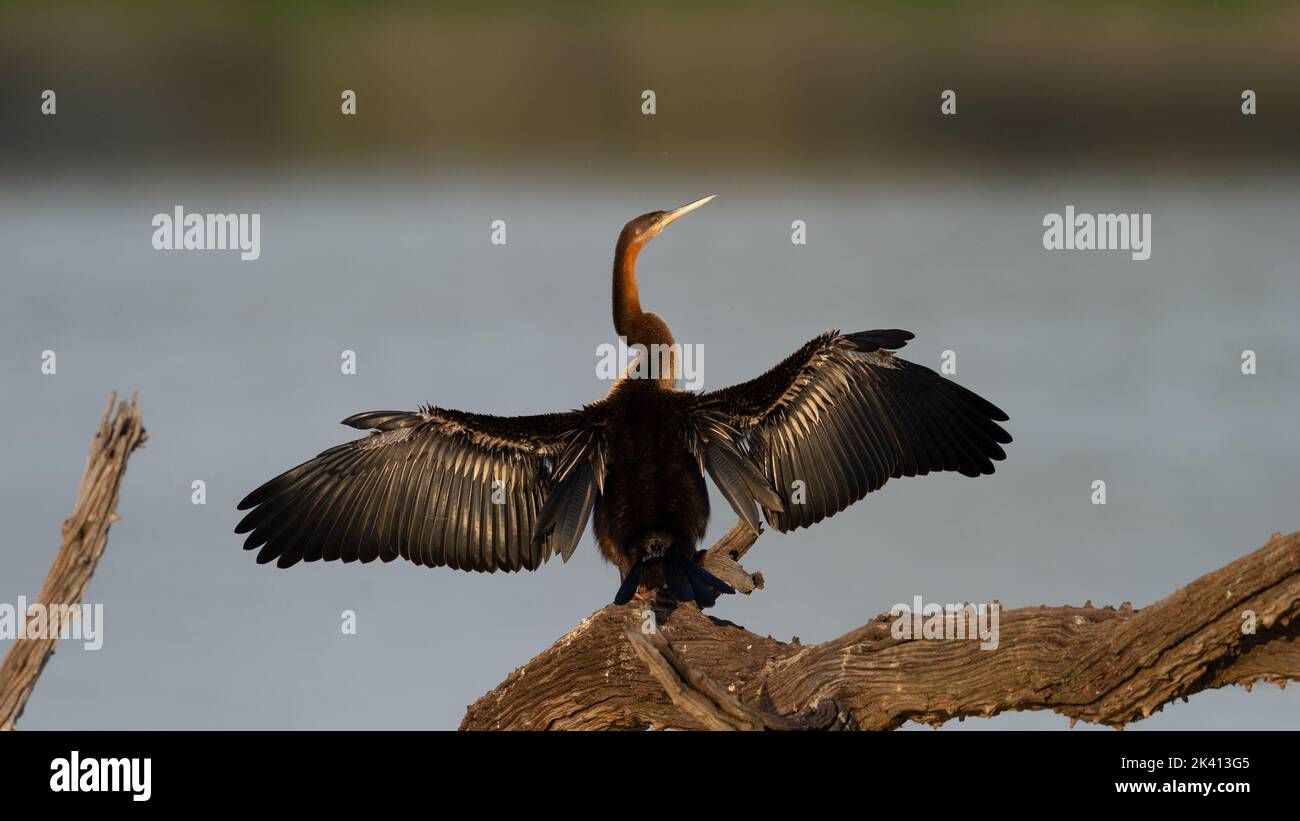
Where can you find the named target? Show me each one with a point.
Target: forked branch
(634, 667)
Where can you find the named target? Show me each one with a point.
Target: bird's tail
(685, 578)
(689, 581)
(629, 586)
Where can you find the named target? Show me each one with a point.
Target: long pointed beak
(669, 216)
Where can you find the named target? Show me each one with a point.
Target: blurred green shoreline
(765, 85)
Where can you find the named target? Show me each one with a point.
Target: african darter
(834, 421)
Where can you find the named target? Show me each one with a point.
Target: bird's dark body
(655, 496)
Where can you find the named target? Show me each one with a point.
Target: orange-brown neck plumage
(638, 327)
(627, 299)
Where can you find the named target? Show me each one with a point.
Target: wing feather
(843, 415)
(420, 486)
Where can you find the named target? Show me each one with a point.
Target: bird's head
(647, 226)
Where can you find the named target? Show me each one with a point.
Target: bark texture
(85, 535)
(663, 665)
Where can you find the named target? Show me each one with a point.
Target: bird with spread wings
(833, 422)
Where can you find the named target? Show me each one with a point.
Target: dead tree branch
(85, 535)
(634, 667)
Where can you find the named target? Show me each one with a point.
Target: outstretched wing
(843, 415)
(436, 487)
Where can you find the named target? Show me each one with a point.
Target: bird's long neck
(640, 327)
(628, 315)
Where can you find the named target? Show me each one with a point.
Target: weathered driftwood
(85, 534)
(622, 669)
